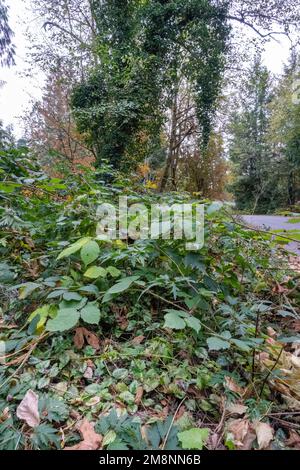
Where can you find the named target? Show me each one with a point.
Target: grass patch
(296, 220)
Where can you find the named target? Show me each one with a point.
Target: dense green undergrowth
(157, 346)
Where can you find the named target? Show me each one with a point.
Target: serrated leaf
(74, 248)
(242, 345)
(121, 286)
(217, 344)
(68, 296)
(95, 272)
(194, 438)
(174, 321)
(109, 438)
(114, 272)
(65, 320)
(194, 323)
(91, 314)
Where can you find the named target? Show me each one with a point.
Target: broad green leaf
(174, 321)
(217, 344)
(9, 187)
(121, 286)
(27, 289)
(72, 249)
(90, 252)
(72, 296)
(91, 314)
(65, 320)
(214, 207)
(288, 340)
(242, 345)
(180, 313)
(114, 272)
(194, 323)
(194, 438)
(95, 272)
(43, 313)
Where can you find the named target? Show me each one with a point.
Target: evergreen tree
(250, 151)
(6, 47)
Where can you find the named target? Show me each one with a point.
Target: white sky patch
(20, 90)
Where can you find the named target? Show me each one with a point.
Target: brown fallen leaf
(82, 335)
(28, 409)
(249, 440)
(271, 332)
(91, 440)
(293, 440)
(237, 409)
(180, 413)
(233, 386)
(138, 340)
(278, 289)
(264, 434)
(139, 395)
(239, 428)
(79, 338)
(89, 373)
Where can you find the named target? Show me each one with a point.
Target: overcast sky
(20, 90)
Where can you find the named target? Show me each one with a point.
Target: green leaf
(109, 438)
(174, 321)
(65, 320)
(288, 340)
(91, 314)
(43, 313)
(121, 286)
(217, 344)
(194, 323)
(68, 296)
(194, 438)
(27, 289)
(90, 252)
(242, 345)
(95, 272)
(214, 207)
(72, 249)
(114, 272)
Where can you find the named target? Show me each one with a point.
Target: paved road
(275, 222)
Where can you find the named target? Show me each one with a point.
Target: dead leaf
(271, 332)
(296, 326)
(88, 373)
(239, 428)
(293, 440)
(82, 335)
(79, 338)
(91, 440)
(264, 434)
(233, 386)
(249, 439)
(138, 340)
(237, 409)
(28, 409)
(93, 401)
(278, 289)
(180, 413)
(139, 395)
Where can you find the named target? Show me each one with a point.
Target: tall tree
(7, 50)
(144, 50)
(50, 126)
(285, 133)
(250, 150)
